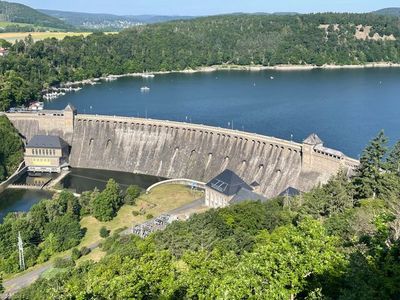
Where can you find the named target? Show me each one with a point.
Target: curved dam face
(180, 150)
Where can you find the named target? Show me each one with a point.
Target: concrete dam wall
(180, 150)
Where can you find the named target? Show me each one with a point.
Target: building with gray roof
(228, 188)
(46, 154)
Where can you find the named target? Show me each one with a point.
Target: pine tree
(393, 159)
(367, 182)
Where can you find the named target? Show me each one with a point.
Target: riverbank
(64, 88)
(69, 86)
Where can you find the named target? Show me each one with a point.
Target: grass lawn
(161, 200)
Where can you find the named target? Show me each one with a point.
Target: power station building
(228, 188)
(46, 154)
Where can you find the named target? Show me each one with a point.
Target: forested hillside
(19, 13)
(391, 11)
(339, 241)
(235, 39)
(11, 148)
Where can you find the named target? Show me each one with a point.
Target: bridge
(177, 150)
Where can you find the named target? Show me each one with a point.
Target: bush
(85, 251)
(131, 194)
(104, 232)
(135, 213)
(76, 254)
(63, 263)
(149, 216)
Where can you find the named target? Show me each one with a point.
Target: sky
(208, 7)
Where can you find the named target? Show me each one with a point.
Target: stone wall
(180, 150)
(59, 123)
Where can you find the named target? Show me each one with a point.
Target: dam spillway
(180, 150)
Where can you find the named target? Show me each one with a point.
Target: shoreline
(68, 86)
(255, 68)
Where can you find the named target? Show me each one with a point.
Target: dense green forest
(11, 148)
(19, 13)
(339, 241)
(233, 39)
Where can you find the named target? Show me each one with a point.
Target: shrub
(104, 232)
(63, 263)
(85, 251)
(149, 216)
(76, 254)
(131, 194)
(135, 213)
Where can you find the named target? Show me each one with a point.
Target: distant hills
(19, 17)
(107, 21)
(391, 11)
(19, 13)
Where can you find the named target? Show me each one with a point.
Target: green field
(13, 36)
(5, 24)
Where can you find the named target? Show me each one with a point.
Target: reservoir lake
(345, 107)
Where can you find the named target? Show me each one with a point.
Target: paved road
(14, 285)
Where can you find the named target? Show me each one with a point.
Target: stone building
(228, 188)
(46, 153)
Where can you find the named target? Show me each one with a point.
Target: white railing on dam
(181, 181)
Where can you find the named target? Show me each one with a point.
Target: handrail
(182, 181)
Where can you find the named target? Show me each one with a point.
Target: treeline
(339, 241)
(52, 226)
(11, 148)
(234, 39)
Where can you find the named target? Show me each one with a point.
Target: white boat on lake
(144, 89)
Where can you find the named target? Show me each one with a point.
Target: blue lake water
(346, 108)
(20, 200)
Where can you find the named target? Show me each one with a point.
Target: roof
(313, 139)
(254, 184)
(291, 192)
(70, 107)
(46, 141)
(228, 183)
(329, 151)
(246, 195)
